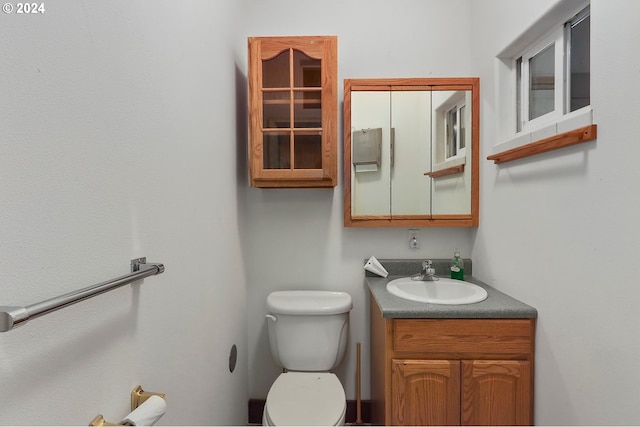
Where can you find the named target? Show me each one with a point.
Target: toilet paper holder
(138, 397)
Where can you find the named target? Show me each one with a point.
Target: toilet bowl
(305, 399)
(308, 333)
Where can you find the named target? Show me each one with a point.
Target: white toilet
(308, 333)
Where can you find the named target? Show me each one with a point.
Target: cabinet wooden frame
(414, 84)
(462, 361)
(323, 48)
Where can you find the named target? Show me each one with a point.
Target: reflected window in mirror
(455, 125)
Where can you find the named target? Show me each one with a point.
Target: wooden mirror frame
(440, 220)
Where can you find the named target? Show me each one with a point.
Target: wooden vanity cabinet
(451, 371)
(293, 111)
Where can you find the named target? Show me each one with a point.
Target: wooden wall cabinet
(293, 105)
(451, 371)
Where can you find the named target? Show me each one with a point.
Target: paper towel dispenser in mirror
(418, 139)
(367, 149)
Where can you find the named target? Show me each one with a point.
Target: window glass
(455, 129)
(463, 127)
(452, 133)
(519, 94)
(579, 63)
(542, 82)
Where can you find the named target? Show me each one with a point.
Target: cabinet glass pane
(308, 111)
(276, 151)
(306, 70)
(275, 110)
(307, 151)
(275, 71)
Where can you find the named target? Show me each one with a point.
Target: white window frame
(514, 130)
(555, 38)
(458, 107)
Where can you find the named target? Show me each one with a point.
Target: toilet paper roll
(148, 413)
(374, 266)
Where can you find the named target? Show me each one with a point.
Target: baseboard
(256, 406)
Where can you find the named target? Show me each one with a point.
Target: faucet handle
(427, 269)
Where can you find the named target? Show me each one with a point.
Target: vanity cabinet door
(496, 392)
(451, 371)
(454, 392)
(425, 392)
(293, 104)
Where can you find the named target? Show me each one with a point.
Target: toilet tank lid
(309, 302)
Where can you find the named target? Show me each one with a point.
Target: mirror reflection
(411, 150)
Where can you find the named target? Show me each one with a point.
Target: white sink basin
(441, 291)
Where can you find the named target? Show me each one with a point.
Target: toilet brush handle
(358, 391)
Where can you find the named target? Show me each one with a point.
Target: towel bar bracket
(137, 262)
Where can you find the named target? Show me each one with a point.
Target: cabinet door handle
(392, 145)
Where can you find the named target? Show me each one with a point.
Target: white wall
(118, 131)
(296, 237)
(560, 230)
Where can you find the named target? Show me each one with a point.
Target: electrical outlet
(414, 238)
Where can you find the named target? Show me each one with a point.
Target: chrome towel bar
(12, 316)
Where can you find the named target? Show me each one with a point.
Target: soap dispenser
(457, 266)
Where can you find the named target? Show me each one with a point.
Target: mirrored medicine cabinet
(411, 152)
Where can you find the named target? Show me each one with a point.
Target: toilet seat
(305, 398)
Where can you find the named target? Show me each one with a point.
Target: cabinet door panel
(425, 392)
(496, 392)
(371, 190)
(410, 189)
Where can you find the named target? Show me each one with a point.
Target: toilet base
(255, 410)
(305, 398)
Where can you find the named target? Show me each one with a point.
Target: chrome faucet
(428, 273)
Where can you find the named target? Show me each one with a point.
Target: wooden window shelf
(577, 136)
(444, 172)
